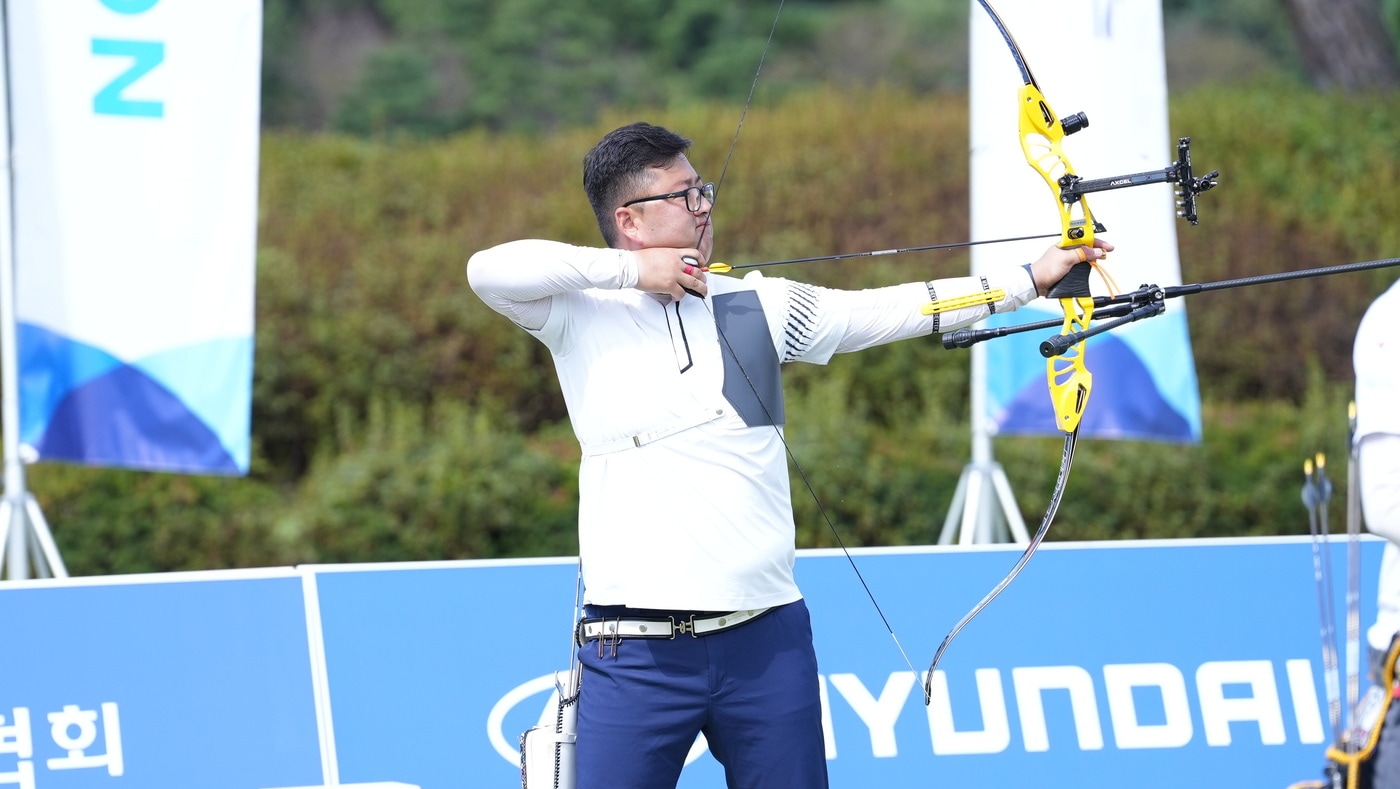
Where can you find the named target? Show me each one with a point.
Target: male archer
(693, 622)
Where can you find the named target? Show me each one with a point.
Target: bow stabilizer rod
(1145, 297)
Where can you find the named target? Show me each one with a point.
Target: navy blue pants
(752, 690)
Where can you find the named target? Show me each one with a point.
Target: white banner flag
(135, 191)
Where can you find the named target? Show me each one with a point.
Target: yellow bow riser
(1070, 381)
(1041, 132)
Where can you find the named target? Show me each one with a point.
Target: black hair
(617, 167)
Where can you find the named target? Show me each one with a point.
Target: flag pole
(24, 535)
(984, 509)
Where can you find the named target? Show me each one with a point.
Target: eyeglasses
(692, 197)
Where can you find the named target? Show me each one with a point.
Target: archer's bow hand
(1058, 266)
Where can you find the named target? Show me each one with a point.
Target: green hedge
(447, 482)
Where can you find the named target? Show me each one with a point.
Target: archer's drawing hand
(671, 272)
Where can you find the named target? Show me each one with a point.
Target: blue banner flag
(1144, 375)
(135, 184)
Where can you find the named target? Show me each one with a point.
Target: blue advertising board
(1151, 664)
(179, 680)
(1119, 664)
(419, 657)
(1163, 663)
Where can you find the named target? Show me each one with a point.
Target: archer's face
(669, 222)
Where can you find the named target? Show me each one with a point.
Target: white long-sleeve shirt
(678, 407)
(1376, 360)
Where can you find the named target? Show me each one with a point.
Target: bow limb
(1041, 132)
(1066, 460)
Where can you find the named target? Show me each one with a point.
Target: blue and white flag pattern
(135, 190)
(1144, 376)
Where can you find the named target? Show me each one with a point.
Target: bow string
(821, 508)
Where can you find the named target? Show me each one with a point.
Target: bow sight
(1072, 187)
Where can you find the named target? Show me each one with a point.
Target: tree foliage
(434, 67)
(437, 66)
(1344, 44)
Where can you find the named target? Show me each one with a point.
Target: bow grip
(1075, 284)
